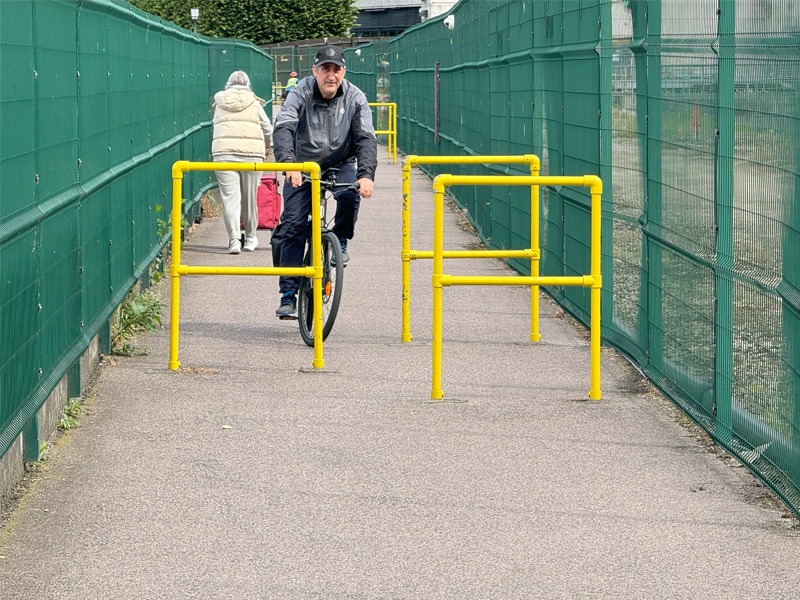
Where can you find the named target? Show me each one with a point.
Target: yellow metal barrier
(439, 279)
(177, 270)
(391, 133)
(407, 254)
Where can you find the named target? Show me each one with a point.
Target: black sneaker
(288, 308)
(345, 255)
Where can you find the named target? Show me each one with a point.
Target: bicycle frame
(332, 268)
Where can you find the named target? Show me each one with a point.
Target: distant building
(380, 18)
(433, 8)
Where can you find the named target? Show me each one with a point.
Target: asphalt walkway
(244, 476)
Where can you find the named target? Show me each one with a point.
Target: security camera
(450, 22)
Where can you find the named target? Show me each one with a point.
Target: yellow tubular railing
(407, 254)
(178, 270)
(391, 133)
(439, 279)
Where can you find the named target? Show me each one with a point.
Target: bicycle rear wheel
(332, 278)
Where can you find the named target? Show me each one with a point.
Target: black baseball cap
(330, 54)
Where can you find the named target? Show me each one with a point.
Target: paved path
(242, 477)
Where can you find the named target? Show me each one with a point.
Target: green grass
(70, 415)
(137, 313)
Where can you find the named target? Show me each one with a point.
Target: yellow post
(316, 262)
(439, 279)
(174, 310)
(388, 108)
(391, 127)
(177, 269)
(438, 267)
(534, 165)
(393, 110)
(597, 284)
(405, 250)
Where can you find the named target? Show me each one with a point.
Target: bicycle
(332, 267)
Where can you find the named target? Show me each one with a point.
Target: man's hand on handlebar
(365, 187)
(295, 178)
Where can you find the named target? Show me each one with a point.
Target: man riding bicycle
(325, 120)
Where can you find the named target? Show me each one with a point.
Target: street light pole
(195, 13)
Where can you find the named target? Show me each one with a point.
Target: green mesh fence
(98, 101)
(362, 69)
(690, 113)
(368, 68)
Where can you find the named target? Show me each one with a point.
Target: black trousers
(296, 210)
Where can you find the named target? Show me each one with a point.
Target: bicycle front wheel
(332, 278)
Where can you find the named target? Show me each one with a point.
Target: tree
(259, 21)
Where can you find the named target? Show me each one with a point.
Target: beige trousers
(237, 190)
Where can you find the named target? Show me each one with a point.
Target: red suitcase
(269, 202)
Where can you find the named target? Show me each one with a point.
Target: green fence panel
(361, 69)
(19, 319)
(149, 207)
(18, 139)
(94, 67)
(99, 100)
(129, 118)
(228, 55)
(368, 69)
(59, 299)
(94, 236)
(56, 97)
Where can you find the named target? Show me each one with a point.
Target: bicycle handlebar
(331, 184)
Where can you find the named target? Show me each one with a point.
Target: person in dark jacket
(325, 120)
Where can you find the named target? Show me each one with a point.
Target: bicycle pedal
(288, 318)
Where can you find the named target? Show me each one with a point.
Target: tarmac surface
(243, 475)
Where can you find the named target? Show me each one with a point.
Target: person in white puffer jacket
(242, 133)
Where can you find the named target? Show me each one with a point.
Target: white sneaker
(234, 247)
(250, 244)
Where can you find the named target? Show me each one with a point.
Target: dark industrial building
(382, 18)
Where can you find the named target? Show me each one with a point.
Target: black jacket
(309, 128)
